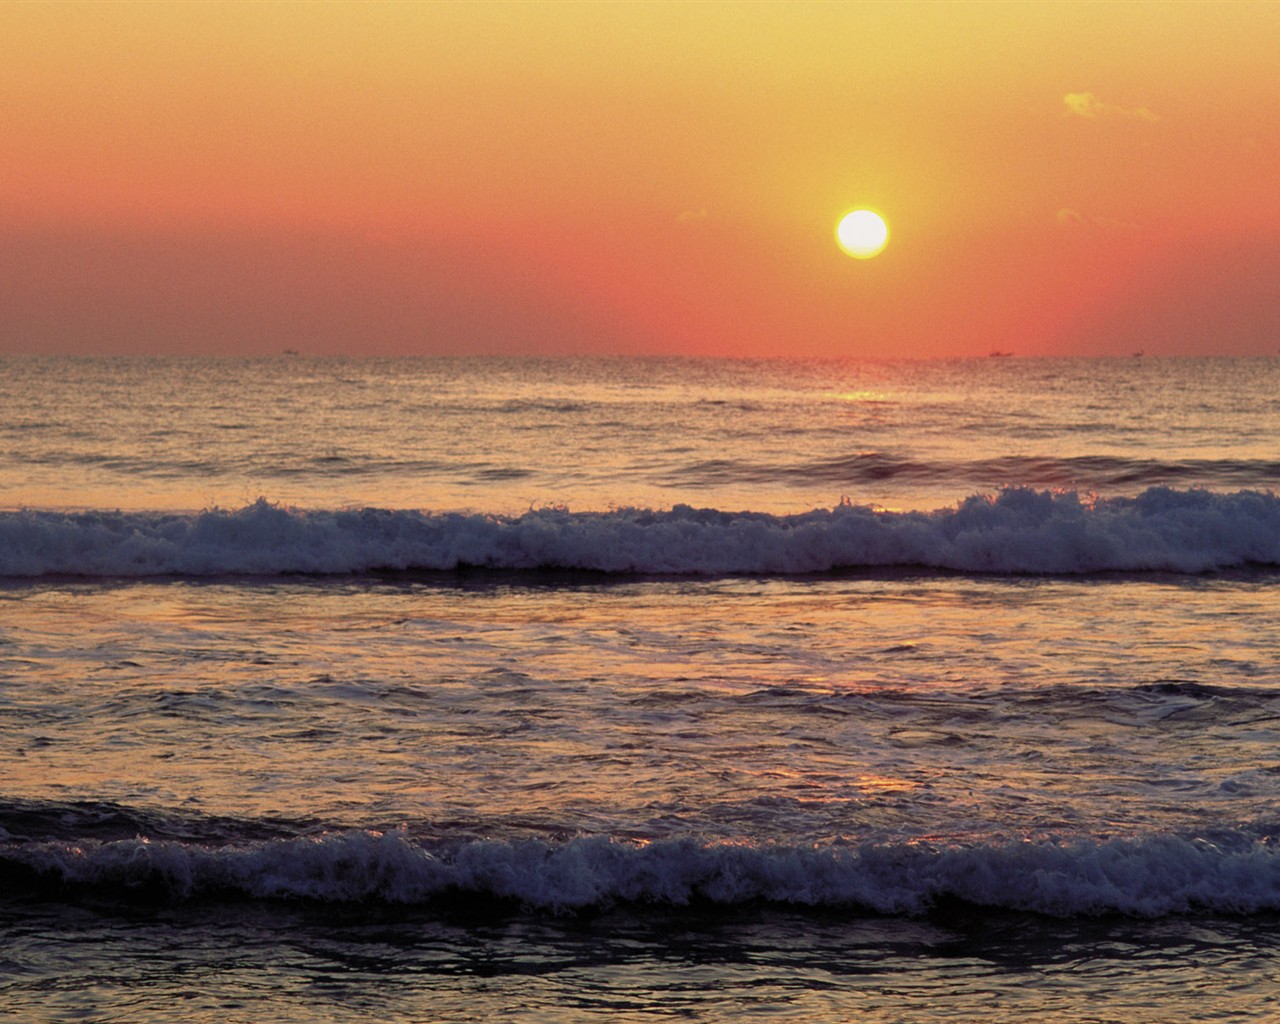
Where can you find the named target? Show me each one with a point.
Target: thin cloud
(689, 216)
(1069, 218)
(1087, 105)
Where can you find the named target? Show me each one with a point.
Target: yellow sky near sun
(639, 177)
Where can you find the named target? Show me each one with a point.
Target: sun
(862, 234)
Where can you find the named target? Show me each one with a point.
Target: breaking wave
(1146, 877)
(1017, 531)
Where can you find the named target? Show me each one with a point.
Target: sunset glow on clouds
(1086, 104)
(560, 178)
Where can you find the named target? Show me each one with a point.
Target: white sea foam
(1147, 877)
(1017, 531)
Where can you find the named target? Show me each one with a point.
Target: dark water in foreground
(285, 963)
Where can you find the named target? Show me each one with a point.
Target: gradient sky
(421, 178)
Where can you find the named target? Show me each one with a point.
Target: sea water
(555, 690)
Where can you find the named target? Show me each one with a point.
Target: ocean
(637, 689)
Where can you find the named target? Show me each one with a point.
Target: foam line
(1016, 531)
(1146, 877)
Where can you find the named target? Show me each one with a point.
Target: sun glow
(862, 234)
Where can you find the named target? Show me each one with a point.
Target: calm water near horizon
(470, 689)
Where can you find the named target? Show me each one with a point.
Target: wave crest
(1017, 531)
(1146, 877)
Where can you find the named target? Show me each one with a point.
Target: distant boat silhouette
(997, 354)
(291, 351)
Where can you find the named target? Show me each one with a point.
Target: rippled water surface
(500, 436)
(739, 708)
(872, 749)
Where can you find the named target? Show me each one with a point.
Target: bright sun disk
(862, 234)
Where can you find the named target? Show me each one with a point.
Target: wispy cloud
(688, 216)
(1087, 105)
(1069, 218)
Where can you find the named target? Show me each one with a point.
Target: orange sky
(454, 178)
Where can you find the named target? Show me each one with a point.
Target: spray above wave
(1146, 877)
(1017, 531)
